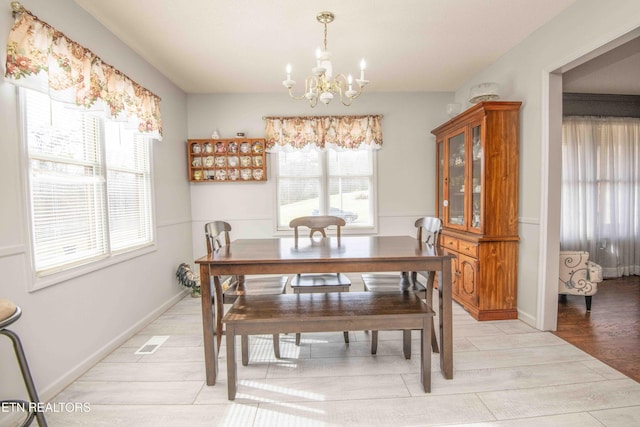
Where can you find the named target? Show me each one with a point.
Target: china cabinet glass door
(440, 177)
(456, 188)
(476, 176)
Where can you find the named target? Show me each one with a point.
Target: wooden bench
(343, 311)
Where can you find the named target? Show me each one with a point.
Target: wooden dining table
(349, 254)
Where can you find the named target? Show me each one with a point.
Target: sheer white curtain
(601, 191)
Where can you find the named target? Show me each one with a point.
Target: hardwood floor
(611, 332)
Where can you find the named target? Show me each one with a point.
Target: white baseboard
(68, 378)
(527, 318)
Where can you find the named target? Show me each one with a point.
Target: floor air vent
(152, 345)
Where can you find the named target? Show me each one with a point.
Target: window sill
(38, 283)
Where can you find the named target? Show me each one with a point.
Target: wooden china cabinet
(477, 201)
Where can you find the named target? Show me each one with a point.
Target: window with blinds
(89, 185)
(329, 182)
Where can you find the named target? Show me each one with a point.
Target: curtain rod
(361, 116)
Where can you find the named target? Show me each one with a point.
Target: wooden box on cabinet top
(477, 168)
(222, 160)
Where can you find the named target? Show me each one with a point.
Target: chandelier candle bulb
(363, 66)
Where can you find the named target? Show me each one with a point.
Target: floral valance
(41, 57)
(321, 132)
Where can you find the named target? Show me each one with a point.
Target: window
(330, 182)
(89, 185)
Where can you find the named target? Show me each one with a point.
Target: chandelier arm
(297, 98)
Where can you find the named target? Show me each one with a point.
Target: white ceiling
(243, 46)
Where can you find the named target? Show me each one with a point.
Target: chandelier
(321, 85)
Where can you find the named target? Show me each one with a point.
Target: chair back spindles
(317, 224)
(215, 231)
(429, 230)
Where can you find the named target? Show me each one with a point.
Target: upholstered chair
(578, 275)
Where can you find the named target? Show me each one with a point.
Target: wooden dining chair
(327, 282)
(217, 235)
(428, 232)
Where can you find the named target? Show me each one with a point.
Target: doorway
(550, 200)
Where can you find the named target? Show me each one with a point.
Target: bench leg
(244, 343)
(298, 339)
(406, 343)
(231, 362)
(276, 345)
(425, 355)
(374, 342)
(346, 337)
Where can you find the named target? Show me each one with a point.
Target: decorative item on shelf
(245, 148)
(215, 134)
(322, 85)
(257, 174)
(484, 92)
(220, 147)
(477, 149)
(239, 134)
(233, 147)
(454, 109)
(196, 148)
(221, 161)
(221, 174)
(245, 161)
(257, 147)
(208, 161)
(245, 174)
(208, 147)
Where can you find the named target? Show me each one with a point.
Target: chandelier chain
(325, 36)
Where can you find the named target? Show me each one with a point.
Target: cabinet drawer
(450, 242)
(468, 248)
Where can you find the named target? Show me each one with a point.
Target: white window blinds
(89, 185)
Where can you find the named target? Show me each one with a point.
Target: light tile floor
(505, 374)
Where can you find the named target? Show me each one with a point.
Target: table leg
(219, 307)
(208, 330)
(406, 343)
(446, 320)
(425, 355)
(231, 362)
(244, 344)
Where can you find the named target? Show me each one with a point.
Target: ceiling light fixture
(321, 85)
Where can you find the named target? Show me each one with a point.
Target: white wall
(406, 176)
(523, 74)
(68, 327)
